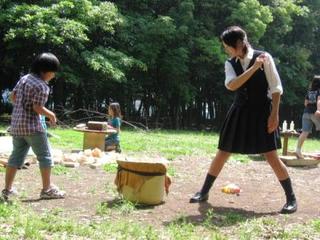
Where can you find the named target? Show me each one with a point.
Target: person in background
(113, 140)
(311, 113)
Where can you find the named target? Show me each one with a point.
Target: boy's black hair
(45, 62)
(232, 35)
(315, 85)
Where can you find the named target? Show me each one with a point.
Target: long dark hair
(232, 35)
(315, 84)
(115, 107)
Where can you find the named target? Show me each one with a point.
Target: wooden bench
(286, 136)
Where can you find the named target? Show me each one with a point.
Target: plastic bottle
(231, 189)
(292, 126)
(284, 126)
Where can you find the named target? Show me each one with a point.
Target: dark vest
(253, 92)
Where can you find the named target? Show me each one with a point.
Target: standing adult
(311, 113)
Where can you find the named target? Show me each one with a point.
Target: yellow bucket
(141, 182)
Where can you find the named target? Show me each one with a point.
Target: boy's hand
(52, 119)
(317, 113)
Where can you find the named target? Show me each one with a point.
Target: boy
(29, 98)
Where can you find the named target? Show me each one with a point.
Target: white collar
(248, 56)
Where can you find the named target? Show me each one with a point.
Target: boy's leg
(215, 168)
(16, 160)
(40, 146)
(282, 174)
(10, 175)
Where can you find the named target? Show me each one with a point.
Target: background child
(29, 98)
(113, 140)
(311, 113)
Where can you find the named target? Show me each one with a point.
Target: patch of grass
(269, 228)
(103, 209)
(240, 158)
(171, 171)
(66, 139)
(121, 206)
(316, 225)
(20, 222)
(2, 169)
(59, 170)
(111, 167)
(124, 206)
(232, 218)
(111, 190)
(181, 229)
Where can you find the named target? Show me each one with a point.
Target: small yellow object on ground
(231, 188)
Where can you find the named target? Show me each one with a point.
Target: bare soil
(261, 193)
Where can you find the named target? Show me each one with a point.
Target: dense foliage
(161, 59)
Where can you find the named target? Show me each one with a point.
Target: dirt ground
(261, 193)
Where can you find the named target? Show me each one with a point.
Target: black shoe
(199, 197)
(290, 207)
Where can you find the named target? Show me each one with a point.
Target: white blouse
(270, 70)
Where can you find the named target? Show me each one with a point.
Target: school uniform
(245, 129)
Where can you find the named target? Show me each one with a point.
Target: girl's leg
(303, 136)
(282, 174)
(214, 170)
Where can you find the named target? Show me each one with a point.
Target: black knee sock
(287, 187)
(207, 184)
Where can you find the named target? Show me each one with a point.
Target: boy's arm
(46, 112)
(273, 120)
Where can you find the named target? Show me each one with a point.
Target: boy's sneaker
(7, 194)
(52, 193)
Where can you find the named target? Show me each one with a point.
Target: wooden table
(286, 136)
(94, 138)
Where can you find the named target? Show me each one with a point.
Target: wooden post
(285, 144)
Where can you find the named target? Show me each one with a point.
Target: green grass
(110, 167)
(59, 170)
(169, 144)
(22, 223)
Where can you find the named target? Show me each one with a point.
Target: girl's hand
(317, 113)
(260, 60)
(273, 122)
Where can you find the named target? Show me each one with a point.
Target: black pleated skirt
(245, 130)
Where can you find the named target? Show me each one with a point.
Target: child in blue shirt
(113, 140)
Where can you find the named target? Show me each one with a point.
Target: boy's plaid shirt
(29, 90)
